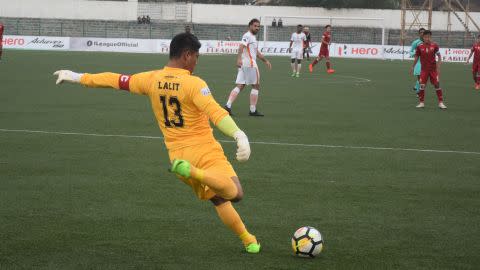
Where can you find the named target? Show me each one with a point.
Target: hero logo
(13, 41)
(345, 50)
(465, 52)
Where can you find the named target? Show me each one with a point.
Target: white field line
(254, 142)
(355, 79)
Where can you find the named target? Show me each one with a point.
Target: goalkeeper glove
(243, 146)
(67, 76)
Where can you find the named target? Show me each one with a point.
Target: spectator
(144, 19)
(139, 20)
(188, 29)
(274, 23)
(280, 23)
(148, 19)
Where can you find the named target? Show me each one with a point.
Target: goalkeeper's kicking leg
(231, 219)
(223, 190)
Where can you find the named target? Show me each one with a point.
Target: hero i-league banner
(361, 51)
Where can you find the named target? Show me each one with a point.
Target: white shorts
(248, 76)
(297, 54)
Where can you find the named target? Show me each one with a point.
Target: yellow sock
(231, 219)
(247, 238)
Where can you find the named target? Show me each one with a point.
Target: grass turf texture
(109, 202)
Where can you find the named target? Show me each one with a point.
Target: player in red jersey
(428, 52)
(1, 40)
(324, 53)
(476, 62)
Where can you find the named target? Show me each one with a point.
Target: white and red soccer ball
(307, 242)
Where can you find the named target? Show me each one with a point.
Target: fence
(167, 29)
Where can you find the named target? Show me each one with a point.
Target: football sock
(315, 62)
(253, 100)
(327, 64)
(233, 96)
(439, 95)
(417, 86)
(299, 67)
(231, 219)
(421, 95)
(294, 68)
(222, 185)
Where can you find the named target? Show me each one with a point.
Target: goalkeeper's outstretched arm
(136, 83)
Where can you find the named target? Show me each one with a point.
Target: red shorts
(433, 75)
(476, 68)
(324, 52)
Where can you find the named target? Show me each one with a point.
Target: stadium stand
(167, 29)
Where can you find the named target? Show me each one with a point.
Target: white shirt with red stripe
(249, 56)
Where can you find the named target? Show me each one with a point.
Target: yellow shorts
(206, 157)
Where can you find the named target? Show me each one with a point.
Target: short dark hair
(183, 42)
(427, 32)
(328, 25)
(421, 29)
(299, 25)
(252, 21)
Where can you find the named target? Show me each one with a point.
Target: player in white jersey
(297, 40)
(248, 73)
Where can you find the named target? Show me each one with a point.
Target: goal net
(346, 30)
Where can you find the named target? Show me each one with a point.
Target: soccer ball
(307, 242)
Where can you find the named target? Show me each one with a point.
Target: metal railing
(168, 29)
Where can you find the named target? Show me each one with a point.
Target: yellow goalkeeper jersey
(182, 103)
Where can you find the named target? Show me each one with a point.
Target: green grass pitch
(72, 201)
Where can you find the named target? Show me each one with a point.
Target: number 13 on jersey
(176, 120)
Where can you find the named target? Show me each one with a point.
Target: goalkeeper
(183, 105)
(418, 67)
